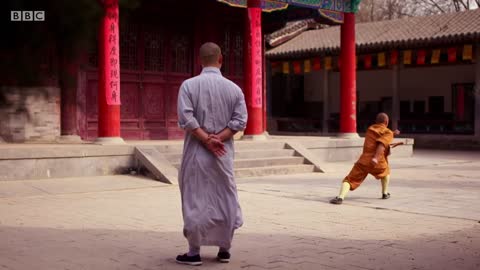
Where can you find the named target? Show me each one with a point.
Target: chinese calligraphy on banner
(256, 64)
(111, 49)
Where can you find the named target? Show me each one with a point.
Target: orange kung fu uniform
(378, 133)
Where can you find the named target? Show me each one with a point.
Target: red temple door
(154, 62)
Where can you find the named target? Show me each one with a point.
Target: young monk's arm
(393, 145)
(378, 153)
(382, 144)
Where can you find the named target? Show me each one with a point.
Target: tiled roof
(400, 33)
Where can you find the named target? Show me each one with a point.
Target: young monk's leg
(351, 182)
(383, 174)
(344, 190)
(385, 181)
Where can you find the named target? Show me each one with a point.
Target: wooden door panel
(154, 101)
(154, 111)
(174, 132)
(130, 109)
(92, 107)
(92, 98)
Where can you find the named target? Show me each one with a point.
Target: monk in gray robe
(211, 109)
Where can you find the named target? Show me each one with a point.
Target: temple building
(125, 86)
(423, 71)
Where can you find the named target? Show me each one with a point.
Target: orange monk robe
(378, 133)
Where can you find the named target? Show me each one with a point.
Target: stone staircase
(254, 158)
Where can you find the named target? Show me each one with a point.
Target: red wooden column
(109, 75)
(348, 88)
(254, 68)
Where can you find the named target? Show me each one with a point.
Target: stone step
(274, 170)
(266, 162)
(250, 154)
(256, 145)
(263, 162)
(239, 146)
(264, 153)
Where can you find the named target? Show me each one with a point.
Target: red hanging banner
(275, 64)
(452, 55)
(276, 67)
(367, 62)
(394, 58)
(256, 85)
(297, 67)
(317, 63)
(421, 57)
(110, 55)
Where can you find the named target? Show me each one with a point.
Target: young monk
(373, 160)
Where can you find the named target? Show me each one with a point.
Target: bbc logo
(27, 16)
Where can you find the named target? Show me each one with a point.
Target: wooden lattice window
(232, 50)
(128, 46)
(226, 65)
(180, 47)
(154, 50)
(238, 53)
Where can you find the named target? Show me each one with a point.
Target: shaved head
(382, 118)
(210, 54)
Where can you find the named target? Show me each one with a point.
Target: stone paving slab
(126, 222)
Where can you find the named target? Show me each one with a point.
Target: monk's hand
(396, 132)
(215, 145)
(374, 161)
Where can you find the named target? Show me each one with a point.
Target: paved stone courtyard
(127, 222)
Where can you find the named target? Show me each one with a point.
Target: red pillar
(109, 73)
(348, 92)
(254, 68)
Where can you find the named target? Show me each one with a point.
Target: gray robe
(210, 207)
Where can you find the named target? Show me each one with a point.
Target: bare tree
(445, 6)
(375, 10)
(465, 4)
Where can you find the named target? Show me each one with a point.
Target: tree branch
(435, 4)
